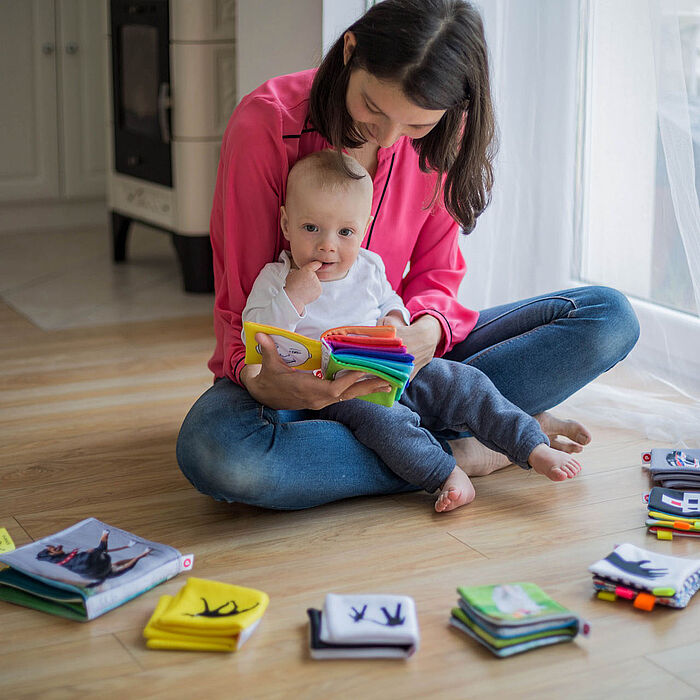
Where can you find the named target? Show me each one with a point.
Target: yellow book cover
(295, 349)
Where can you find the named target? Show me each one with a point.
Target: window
(639, 150)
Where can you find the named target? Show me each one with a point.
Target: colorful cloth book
(86, 570)
(645, 577)
(374, 350)
(511, 618)
(675, 469)
(206, 616)
(364, 626)
(673, 512)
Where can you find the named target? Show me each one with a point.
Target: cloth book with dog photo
(674, 469)
(673, 512)
(364, 626)
(374, 350)
(86, 570)
(511, 618)
(645, 577)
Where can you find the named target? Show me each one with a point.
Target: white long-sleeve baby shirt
(362, 297)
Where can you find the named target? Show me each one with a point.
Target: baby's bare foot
(455, 492)
(554, 428)
(554, 464)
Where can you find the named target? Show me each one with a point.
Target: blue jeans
(537, 352)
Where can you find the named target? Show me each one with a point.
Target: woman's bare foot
(455, 492)
(554, 464)
(555, 428)
(478, 460)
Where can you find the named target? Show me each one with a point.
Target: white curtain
(537, 231)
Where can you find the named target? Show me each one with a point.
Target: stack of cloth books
(375, 350)
(514, 617)
(205, 616)
(645, 577)
(364, 626)
(672, 512)
(674, 469)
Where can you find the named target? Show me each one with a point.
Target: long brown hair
(436, 51)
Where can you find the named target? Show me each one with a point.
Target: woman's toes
(567, 446)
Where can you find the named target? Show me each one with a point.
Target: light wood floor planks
(88, 422)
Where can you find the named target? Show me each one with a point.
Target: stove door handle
(164, 104)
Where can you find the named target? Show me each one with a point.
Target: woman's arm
(245, 218)
(430, 288)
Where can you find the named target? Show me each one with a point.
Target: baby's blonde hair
(324, 170)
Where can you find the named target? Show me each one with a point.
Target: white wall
(275, 38)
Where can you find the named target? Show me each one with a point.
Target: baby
(327, 280)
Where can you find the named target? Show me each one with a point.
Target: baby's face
(327, 227)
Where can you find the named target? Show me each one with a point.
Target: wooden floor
(88, 425)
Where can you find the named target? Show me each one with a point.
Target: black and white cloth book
(671, 580)
(364, 626)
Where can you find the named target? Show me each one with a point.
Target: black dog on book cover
(95, 563)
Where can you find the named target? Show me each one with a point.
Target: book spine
(101, 603)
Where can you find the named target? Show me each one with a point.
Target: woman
(405, 90)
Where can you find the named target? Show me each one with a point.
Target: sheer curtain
(572, 206)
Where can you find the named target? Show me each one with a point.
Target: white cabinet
(52, 100)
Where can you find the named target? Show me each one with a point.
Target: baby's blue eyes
(312, 228)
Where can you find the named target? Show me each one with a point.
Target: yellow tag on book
(296, 350)
(6, 543)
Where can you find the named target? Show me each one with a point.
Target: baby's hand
(303, 286)
(393, 318)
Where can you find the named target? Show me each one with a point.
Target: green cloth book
(511, 618)
(86, 570)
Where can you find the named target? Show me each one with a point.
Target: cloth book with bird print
(364, 626)
(86, 570)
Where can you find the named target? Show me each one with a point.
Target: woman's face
(380, 110)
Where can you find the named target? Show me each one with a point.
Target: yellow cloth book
(157, 638)
(205, 616)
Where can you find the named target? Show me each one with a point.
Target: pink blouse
(267, 133)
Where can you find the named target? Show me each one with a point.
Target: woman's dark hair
(436, 51)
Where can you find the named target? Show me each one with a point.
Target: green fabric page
(499, 643)
(73, 611)
(505, 652)
(369, 365)
(512, 603)
(381, 398)
(402, 370)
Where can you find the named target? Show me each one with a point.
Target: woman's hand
(277, 386)
(421, 338)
